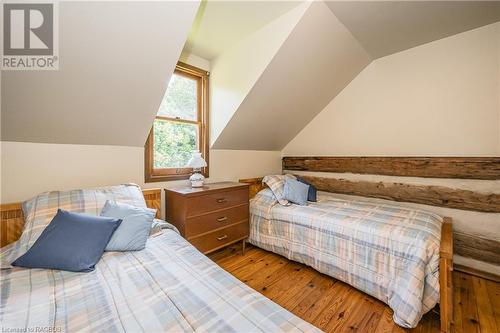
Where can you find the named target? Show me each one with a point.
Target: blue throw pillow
(312, 194)
(134, 230)
(71, 242)
(296, 191)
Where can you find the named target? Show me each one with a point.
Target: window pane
(180, 100)
(173, 144)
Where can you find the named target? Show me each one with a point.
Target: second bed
(387, 251)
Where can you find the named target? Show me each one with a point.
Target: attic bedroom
(250, 166)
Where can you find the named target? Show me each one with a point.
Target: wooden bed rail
(445, 261)
(12, 218)
(446, 275)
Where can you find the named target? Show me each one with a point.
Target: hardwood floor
(334, 306)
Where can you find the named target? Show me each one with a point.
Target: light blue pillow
(296, 191)
(134, 229)
(71, 242)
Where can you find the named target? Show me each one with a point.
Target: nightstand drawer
(220, 238)
(214, 201)
(208, 222)
(212, 216)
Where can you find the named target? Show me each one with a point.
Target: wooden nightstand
(210, 217)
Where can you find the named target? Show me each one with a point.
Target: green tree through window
(180, 126)
(174, 144)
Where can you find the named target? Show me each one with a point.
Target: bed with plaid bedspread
(168, 287)
(388, 251)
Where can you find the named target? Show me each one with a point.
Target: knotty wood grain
(12, 223)
(477, 272)
(423, 194)
(330, 304)
(431, 167)
(153, 200)
(477, 247)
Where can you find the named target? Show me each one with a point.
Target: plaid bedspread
(168, 287)
(387, 251)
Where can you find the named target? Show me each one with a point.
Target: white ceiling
(382, 27)
(316, 61)
(112, 78)
(303, 76)
(221, 24)
(115, 62)
(386, 27)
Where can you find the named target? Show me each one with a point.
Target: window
(180, 126)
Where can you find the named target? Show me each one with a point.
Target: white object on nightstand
(197, 162)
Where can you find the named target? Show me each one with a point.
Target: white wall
(194, 60)
(234, 72)
(295, 86)
(31, 168)
(111, 78)
(438, 99)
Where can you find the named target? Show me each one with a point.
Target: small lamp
(197, 162)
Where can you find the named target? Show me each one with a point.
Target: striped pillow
(277, 185)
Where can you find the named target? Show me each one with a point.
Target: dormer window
(180, 126)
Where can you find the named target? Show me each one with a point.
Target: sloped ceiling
(386, 27)
(221, 24)
(318, 59)
(235, 72)
(330, 45)
(116, 59)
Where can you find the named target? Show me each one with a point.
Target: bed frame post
(445, 276)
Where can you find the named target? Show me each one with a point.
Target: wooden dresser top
(207, 188)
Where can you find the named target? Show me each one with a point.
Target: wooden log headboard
(440, 193)
(12, 219)
(433, 195)
(428, 167)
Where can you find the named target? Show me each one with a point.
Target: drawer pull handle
(222, 219)
(222, 237)
(221, 200)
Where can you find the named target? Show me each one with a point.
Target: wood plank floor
(334, 306)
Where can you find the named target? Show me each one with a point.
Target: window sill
(154, 178)
(163, 178)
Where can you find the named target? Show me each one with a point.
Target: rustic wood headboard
(439, 193)
(12, 219)
(255, 187)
